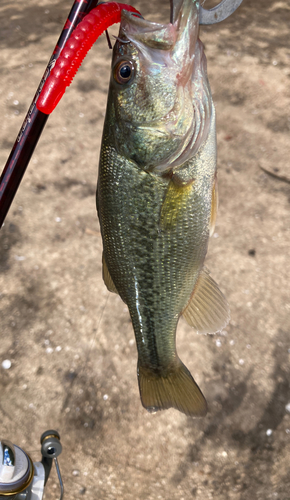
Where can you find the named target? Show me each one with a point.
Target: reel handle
(20, 478)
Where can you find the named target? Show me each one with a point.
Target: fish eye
(123, 72)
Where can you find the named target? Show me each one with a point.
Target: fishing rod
(87, 20)
(60, 72)
(35, 119)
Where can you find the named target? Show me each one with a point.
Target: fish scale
(155, 216)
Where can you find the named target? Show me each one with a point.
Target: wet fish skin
(155, 190)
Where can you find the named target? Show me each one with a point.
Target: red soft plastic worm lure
(75, 50)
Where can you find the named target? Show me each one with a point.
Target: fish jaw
(176, 40)
(162, 115)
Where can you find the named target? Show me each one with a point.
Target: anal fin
(207, 310)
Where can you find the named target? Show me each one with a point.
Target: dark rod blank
(35, 120)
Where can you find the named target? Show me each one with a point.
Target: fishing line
(98, 325)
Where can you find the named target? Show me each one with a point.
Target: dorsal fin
(207, 310)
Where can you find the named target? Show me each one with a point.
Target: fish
(157, 197)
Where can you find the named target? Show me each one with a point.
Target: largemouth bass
(157, 197)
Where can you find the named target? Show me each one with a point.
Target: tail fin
(174, 388)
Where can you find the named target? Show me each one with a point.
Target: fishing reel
(20, 478)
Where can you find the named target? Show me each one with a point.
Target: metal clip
(218, 13)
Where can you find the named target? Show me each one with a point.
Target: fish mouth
(183, 15)
(154, 35)
(172, 52)
(175, 7)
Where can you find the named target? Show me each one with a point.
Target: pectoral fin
(176, 198)
(207, 310)
(107, 278)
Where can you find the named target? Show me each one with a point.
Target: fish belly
(153, 258)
